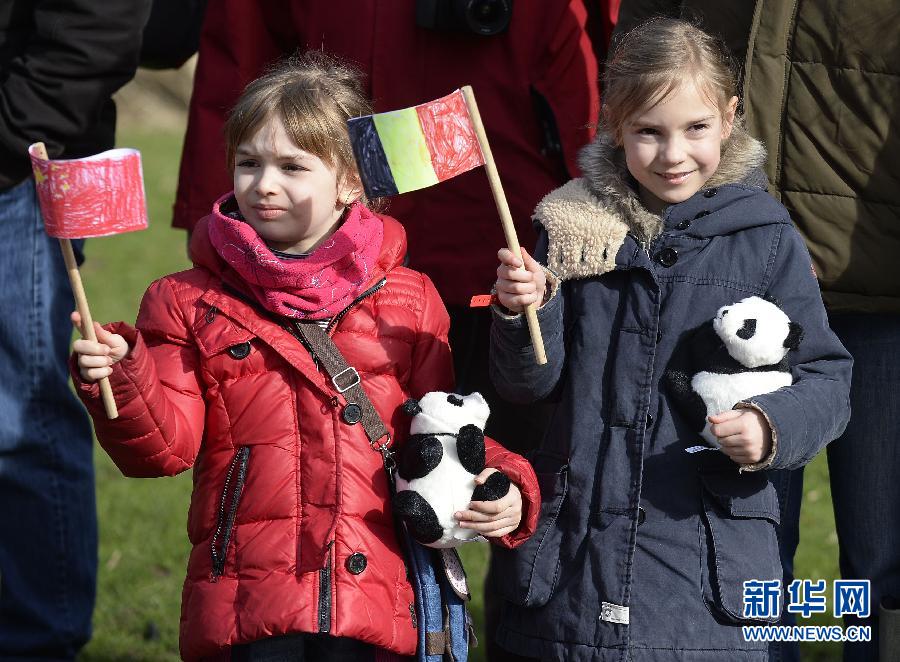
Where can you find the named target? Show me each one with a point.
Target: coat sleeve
(814, 410)
(79, 53)
(157, 390)
(432, 370)
(522, 474)
(514, 372)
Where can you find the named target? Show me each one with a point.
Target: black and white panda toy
(740, 353)
(437, 466)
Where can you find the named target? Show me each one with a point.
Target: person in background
(60, 62)
(821, 88)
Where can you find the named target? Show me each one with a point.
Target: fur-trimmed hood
(588, 218)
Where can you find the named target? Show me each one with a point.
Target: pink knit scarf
(314, 288)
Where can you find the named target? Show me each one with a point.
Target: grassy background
(143, 543)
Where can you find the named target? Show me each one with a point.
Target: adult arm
(58, 88)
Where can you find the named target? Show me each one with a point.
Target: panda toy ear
(794, 336)
(411, 407)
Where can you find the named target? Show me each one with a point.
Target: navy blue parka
(643, 548)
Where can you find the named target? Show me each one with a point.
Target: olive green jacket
(821, 85)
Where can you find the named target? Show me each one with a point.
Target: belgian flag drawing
(409, 149)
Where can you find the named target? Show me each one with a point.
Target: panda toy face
(440, 413)
(756, 332)
(740, 353)
(437, 467)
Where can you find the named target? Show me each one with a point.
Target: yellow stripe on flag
(405, 148)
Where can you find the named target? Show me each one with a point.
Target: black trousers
(304, 648)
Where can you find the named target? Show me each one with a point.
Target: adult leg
(518, 427)
(789, 485)
(864, 465)
(48, 534)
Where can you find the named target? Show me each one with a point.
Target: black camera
(483, 17)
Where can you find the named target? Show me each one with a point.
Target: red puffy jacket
(284, 491)
(536, 86)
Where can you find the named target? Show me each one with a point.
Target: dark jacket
(60, 63)
(822, 91)
(285, 491)
(536, 86)
(642, 548)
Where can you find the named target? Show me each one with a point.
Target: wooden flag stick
(509, 230)
(81, 304)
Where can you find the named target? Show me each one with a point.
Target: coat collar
(588, 218)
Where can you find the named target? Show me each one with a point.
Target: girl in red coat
(294, 552)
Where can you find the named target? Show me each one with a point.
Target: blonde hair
(314, 94)
(655, 59)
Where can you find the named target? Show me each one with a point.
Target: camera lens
(488, 17)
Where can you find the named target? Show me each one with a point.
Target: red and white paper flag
(91, 197)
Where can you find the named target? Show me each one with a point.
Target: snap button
(356, 563)
(352, 413)
(667, 257)
(649, 420)
(710, 192)
(642, 515)
(240, 351)
(683, 225)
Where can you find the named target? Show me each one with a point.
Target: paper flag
(91, 197)
(409, 149)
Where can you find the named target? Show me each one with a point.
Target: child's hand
(517, 287)
(744, 434)
(492, 519)
(95, 359)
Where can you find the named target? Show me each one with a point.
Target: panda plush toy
(740, 353)
(437, 465)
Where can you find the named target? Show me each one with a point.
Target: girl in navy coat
(643, 548)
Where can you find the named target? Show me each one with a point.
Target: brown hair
(653, 60)
(314, 94)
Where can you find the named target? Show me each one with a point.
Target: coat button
(356, 563)
(667, 257)
(240, 351)
(352, 413)
(649, 420)
(683, 225)
(642, 515)
(710, 192)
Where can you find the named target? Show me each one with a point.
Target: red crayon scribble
(450, 136)
(92, 197)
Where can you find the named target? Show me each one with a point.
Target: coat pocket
(527, 575)
(738, 540)
(232, 491)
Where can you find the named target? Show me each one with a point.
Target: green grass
(143, 543)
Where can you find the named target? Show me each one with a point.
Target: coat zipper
(293, 327)
(372, 290)
(325, 592)
(225, 520)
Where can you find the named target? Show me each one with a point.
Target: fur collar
(588, 218)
